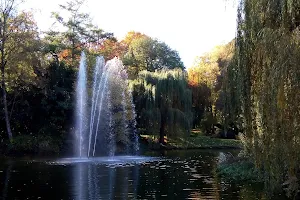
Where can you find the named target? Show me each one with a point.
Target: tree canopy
(80, 33)
(145, 53)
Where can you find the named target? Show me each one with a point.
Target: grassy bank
(239, 170)
(31, 145)
(195, 141)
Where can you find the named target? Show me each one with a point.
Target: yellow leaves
(132, 36)
(204, 71)
(207, 68)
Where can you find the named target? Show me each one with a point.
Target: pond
(169, 175)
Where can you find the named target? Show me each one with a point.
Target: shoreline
(191, 143)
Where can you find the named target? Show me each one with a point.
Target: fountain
(105, 120)
(81, 94)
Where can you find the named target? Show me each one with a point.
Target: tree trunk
(5, 107)
(162, 132)
(3, 63)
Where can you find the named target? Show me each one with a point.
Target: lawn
(195, 141)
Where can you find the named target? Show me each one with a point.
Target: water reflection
(97, 181)
(6, 180)
(184, 175)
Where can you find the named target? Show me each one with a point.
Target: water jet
(105, 120)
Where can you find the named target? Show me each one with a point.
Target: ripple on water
(111, 162)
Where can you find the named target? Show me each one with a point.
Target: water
(98, 125)
(81, 98)
(97, 84)
(172, 175)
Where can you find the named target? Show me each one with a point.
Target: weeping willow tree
(262, 87)
(164, 103)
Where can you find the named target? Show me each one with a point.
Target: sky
(191, 27)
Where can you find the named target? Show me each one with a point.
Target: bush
(239, 170)
(27, 144)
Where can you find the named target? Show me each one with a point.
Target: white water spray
(109, 91)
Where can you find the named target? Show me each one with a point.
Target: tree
(206, 79)
(111, 48)
(24, 54)
(25, 69)
(263, 86)
(131, 36)
(145, 53)
(7, 9)
(80, 33)
(163, 103)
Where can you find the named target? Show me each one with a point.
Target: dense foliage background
(39, 70)
(250, 85)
